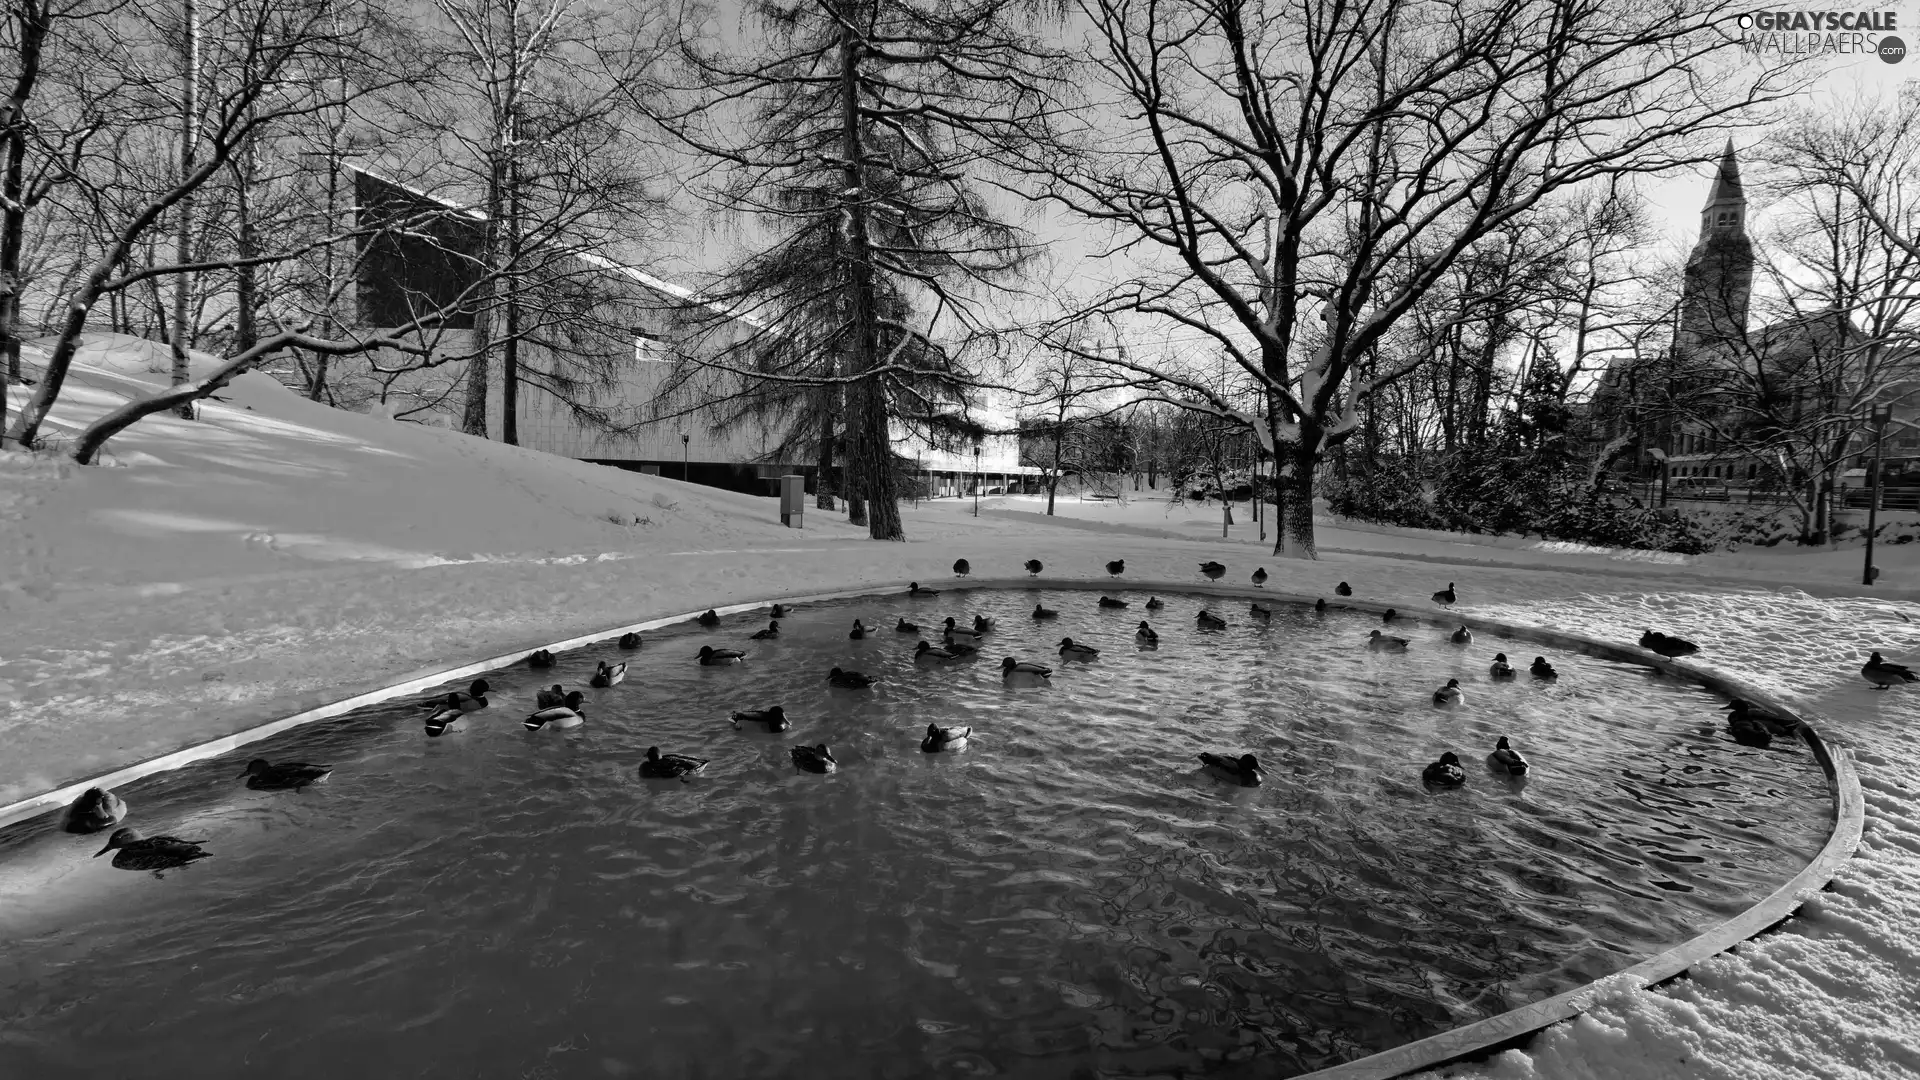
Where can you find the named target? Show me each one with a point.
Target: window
(651, 348)
(1725, 218)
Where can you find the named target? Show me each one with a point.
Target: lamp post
(1879, 418)
(685, 453)
(1665, 467)
(976, 479)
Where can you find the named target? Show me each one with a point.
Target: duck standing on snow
(1260, 577)
(772, 631)
(1506, 759)
(608, 675)
(1543, 670)
(1207, 620)
(858, 633)
(1071, 651)
(1213, 570)
(1040, 612)
(814, 759)
(1445, 773)
(155, 853)
(906, 627)
(261, 775)
(1883, 674)
(660, 766)
(1380, 642)
(1110, 602)
(850, 680)
(1462, 636)
(629, 640)
(1500, 669)
(914, 589)
(712, 657)
(570, 712)
(95, 809)
(961, 568)
(1343, 589)
(1666, 644)
(941, 739)
(540, 658)
(1022, 673)
(1034, 567)
(1445, 597)
(1145, 633)
(1450, 694)
(710, 619)
(773, 719)
(1117, 567)
(1244, 771)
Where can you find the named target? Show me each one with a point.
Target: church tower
(1719, 279)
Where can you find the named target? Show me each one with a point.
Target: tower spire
(1726, 185)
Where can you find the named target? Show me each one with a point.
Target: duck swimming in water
(1013, 670)
(1445, 773)
(1390, 615)
(1343, 589)
(914, 589)
(660, 766)
(941, 739)
(447, 719)
(955, 630)
(1260, 577)
(1506, 759)
(925, 653)
(814, 759)
(1145, 633)
(155, 853)
(773, 719)
(1883, 674)
(1260, 610)
(1445, 597)
(1213, 570)
(95, 809)
(712, 657)
(569, 713)
(961, 568)
(1071, 651)
(288, 775)
(1034, 567)
(905, 627)
(1462, 636)
(1040, 612)
(608, 675)
(982, 625)
(541, 658)
(1742, 709)
(780, 611)
(772, 631)
(1749, 732)
(850, 680)
(1500, 669)
(1543, 670)
(473, 700)
(1154, 603)
(961, 650)
(1207, 620)
(1110, 602)
(549, 699)
(1244, 771)
(629, 640)
(710, 619)
(1380, 642)
(1450, 694)
(858, 633)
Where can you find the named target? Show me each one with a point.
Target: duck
(262, 775)
(711, 618)
(97, 808)
(1748, 732)
(712, 657)
(961, 568)
(659, 766)
(569, 713)
(1040, 611)
(549, 699)
(1389, 615)
(1034, 567)
(1445, 597)
(1071, 651)
(939, 738)
(1380, 642)
(1110, 602)
(982, 625)
(961, 650)
(773, 719)
(1028, 672)
(858, 633)
(1500, 668)
(1462, 636)
(1154, 603)
(1260, 577)
(1343, 589)
(1450, 694)
(925, 653)
(629, 640)
(608, 675)
(1543, 670)
(1245, 771)
(447, 718)
(1506, 759)
(1261, 611)
(780, 611)
(955, 630)
(905, 627)
(540, 658)
(815, 759)
(1883, 674)
(1213, 570)
(914, 589)
(155, 853)
(1320, 606)
(1445, 773)
(850, 680)
(473, 700)
(1145, 633)
(1666, 644)
(1209, 621)
(1117, 567)
(772, 631)
(1742, 709)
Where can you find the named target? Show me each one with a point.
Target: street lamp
(976, 479)
(1665, 467)
(685, 454)
(1879, 418)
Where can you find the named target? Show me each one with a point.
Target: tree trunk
(1294, 535)
(178, 338)
(510, 349)
(33, 25)
(246, 246)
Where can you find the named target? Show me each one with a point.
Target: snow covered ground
(276, 554)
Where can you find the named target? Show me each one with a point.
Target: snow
(275, 554)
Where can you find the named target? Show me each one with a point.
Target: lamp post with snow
(976, 479)
(1665, 467)
(1880, 417)
(685, 454)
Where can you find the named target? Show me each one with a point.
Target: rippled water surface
(1070, 896)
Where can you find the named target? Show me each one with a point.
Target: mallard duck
(1154, 603)
(1742, 709)
(1506, 759)
(1145, 633)
(816, 759)
(1543, 670)
(629, 640)
(772, 631)
(961, 650)
(540, 658)
(1020, 671)
(473, 700)
(1209, 621)
(1450, 694)
(1260, 611)
(780, 611)
(773, 719)
(95, 809)
(1034, 567)
(1445, 596)
(1389, 615)
(1883, 674)
(939, 738)
(1260, 577)
(1462, 636)
(1110, 602)
(914, 589)
(659, 766)
(1666, 644)
(711, 618)
(1117, 567)
(1749, 732)
(850, 680)
(549, 699)
(955, 630)
(261, 775)
(1500, 669)
(608, 675)
(858, 633)
(569, 713)
(924, 653)
(961, 568)
(1245, 771)
(1320, 606)
(1213, 570)
(1343, 589)
(155, 853)
(1071, 651)
(1444, 773)
(447, 719)
(1380, 642)
(712, 657)
(982, 625)
(905, 627)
